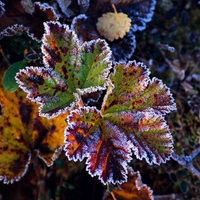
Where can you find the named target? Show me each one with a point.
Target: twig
(165, 197)
(186, 161)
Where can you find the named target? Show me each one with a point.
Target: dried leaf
(113, 25)
(69, 69)
(133, 189)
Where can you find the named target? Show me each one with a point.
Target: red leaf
(106, 148)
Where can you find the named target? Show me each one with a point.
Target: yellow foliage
(22, 130)
(113, 25)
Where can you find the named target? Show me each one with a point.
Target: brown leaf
(133, 189)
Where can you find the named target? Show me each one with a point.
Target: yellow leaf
(113, 25)
(22, 130)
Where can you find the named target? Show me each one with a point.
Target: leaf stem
(113, 196)
(80, 103)
(114, 8)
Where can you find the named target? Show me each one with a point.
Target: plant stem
(114, 8)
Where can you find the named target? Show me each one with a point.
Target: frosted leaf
(136, 105)
(121, 54)
(140, 12)
(70, 70)
(106, 137)
(12, 24)
(64, 6)
(106, 148)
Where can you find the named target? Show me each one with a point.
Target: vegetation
(76, 91)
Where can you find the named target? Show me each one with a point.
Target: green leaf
(131, 88)
(9, 82)
(107, 137)
(183, 187)
(70, 69)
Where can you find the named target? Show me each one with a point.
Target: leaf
(64, 6)
(106, 137)
(140, 12)
(183, 187)
(128, 42)
(9, 82)
(70, 69)
(133, 89)
(12, 23)
(107, 150)
(14, 152)
(113, 25)
(23, 131)
(133, 189)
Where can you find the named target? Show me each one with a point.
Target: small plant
(131, 116)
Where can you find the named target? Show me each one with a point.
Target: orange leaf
(133, 189)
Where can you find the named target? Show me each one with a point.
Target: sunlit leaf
(133, 189)
(70, 69)
(23, 131)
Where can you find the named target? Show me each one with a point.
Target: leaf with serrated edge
(70, 68)
(143, 123)
(133, 89)
(106, 137)
(132, 189)
(147, 131)
(106, 148)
